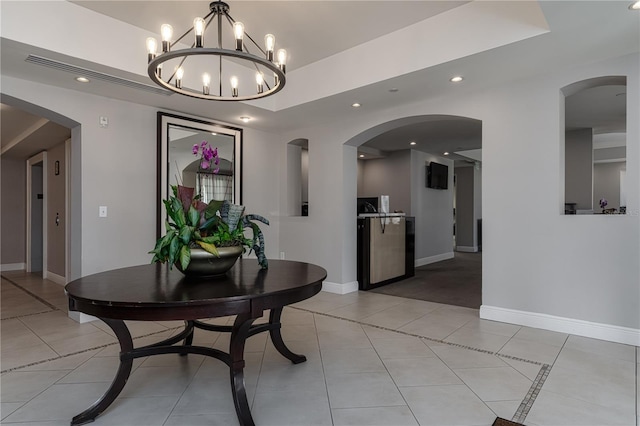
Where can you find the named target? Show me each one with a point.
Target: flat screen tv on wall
(437, 176)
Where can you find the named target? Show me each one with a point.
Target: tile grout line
(35, 296)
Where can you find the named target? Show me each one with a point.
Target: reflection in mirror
(595, 146)
(179, 166)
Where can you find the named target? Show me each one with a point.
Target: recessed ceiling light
(393, 90)
(456, 79)
(361, 156)
(245, 119)
(412, 143)
(214, 134)
(82, 79)
(355, 105)
(635, 6)
(446, 153)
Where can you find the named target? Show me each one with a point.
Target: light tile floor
(372, 359)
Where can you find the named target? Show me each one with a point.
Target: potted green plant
(206, 239)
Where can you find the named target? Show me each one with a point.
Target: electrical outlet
(102, 212)
(282, 255)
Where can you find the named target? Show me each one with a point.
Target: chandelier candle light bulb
(179, 75)
(238, 32)
(152, 48)
(269, 45)
(198, 31)
(282, 59)
(167, 33)
(234, 86)
(260, 82)
(206, 80)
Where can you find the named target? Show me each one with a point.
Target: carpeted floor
(456, 281)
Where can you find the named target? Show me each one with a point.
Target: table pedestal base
(241, 330)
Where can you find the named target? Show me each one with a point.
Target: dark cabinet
(386, 250)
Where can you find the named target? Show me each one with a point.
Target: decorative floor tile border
(529, 399)
(35, 296)
(526, 404)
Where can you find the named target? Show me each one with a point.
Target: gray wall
(606, 184)
(389, 176)
(433, 210)
(465, 209)
(13, 211)
(578, 176)
(56, 203)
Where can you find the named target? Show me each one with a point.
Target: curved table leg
(189, 339)
(276, 338)
(126, 345)
(239, 335)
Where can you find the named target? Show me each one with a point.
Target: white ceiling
(315, 32)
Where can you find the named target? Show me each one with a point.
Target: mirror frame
(164, 120)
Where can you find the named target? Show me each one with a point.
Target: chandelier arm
(232, 21)
(192, 46)
(246, 48)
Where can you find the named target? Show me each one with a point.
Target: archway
(393, 159)
(70, 170)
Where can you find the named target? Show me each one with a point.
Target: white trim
(610, 160)
(467, 249)
(434, 259)
(340, 288)
(612, 333)
(58, 279)
(80, 317)
(67, 209)
(12, 267)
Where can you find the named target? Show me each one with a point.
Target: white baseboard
(467, 249)
(340, 288)
(58, 279)
(80, 317)
(434, 259)
(611, 333)
(13, 266)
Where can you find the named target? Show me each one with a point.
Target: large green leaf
(185, 257)
(194, 216)
(174, 247)
(185, 234)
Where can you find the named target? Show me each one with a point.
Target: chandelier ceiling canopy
(239, 68)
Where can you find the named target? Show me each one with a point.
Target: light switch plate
(103, 211)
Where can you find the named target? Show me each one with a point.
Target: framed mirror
(177, 164)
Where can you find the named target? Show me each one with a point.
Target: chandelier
(240, 73)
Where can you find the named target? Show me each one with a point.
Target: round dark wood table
(156, 293)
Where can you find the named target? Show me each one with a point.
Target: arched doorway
(394, 159)
(61, 138)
